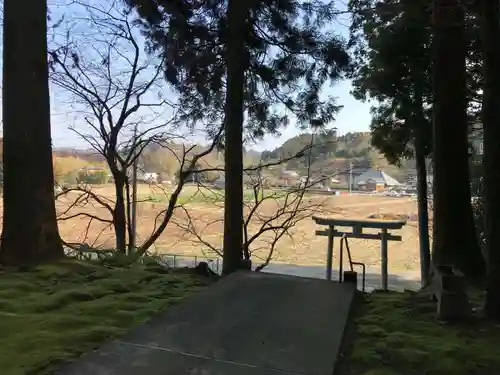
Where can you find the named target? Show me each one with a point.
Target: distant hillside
(332, 154)
(325, 145)
(90, 156)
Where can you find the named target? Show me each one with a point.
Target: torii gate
(357, 226)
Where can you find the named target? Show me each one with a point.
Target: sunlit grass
(56, 312)
(205, 195)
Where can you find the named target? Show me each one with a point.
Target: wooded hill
(329, 154)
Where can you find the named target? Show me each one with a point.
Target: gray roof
(379, 177)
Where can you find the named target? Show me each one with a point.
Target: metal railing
(86, 252)
(343, 240)
(181, 260)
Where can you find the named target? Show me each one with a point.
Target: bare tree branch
(183, 176)
(270, 215)
(114, 83)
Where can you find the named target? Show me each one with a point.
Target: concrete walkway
(246, 324)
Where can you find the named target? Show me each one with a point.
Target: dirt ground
(302, 247)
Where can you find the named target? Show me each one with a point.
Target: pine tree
(489, 10)
(255, 60)
(454, 238)
(401, 85)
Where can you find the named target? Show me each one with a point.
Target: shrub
(70, 178)
(93, 178)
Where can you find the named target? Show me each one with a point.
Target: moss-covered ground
(56, 312)
(398, 334)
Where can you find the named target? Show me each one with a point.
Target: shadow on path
(246, 324)
(397, 281)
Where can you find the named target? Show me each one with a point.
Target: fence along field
(302, 247)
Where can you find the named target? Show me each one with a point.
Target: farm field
(206, 213)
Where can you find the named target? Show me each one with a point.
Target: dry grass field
(302, 248)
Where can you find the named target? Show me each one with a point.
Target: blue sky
(354, 116)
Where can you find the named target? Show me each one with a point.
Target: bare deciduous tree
(270, 214)
(116, 90)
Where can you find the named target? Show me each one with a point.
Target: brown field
(302, 248)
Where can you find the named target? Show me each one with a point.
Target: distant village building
(411, 182)
(349, 174)
(334, 180)
(149, 177)
(375, 180)
(290, 173)
(289, 177)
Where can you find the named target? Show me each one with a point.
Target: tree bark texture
(30, 232)
(491, 156)
(421, 149)
(454, 237)
(423, 216)
(233, 126)
(120, 217)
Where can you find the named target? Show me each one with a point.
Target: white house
(290, 173)
(333, 180)
(149, 177)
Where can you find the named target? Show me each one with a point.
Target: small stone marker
(449, 291)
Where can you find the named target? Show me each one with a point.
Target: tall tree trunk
(423, 216)
(422, 191)
(119, 215)
(30, 232)
(454, 237)
(491, 156)
(233, 123)
(129, 213)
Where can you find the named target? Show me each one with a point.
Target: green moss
(56, 312)
(398, 334)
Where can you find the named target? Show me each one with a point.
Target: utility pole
(350, 178)
(133, 209)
